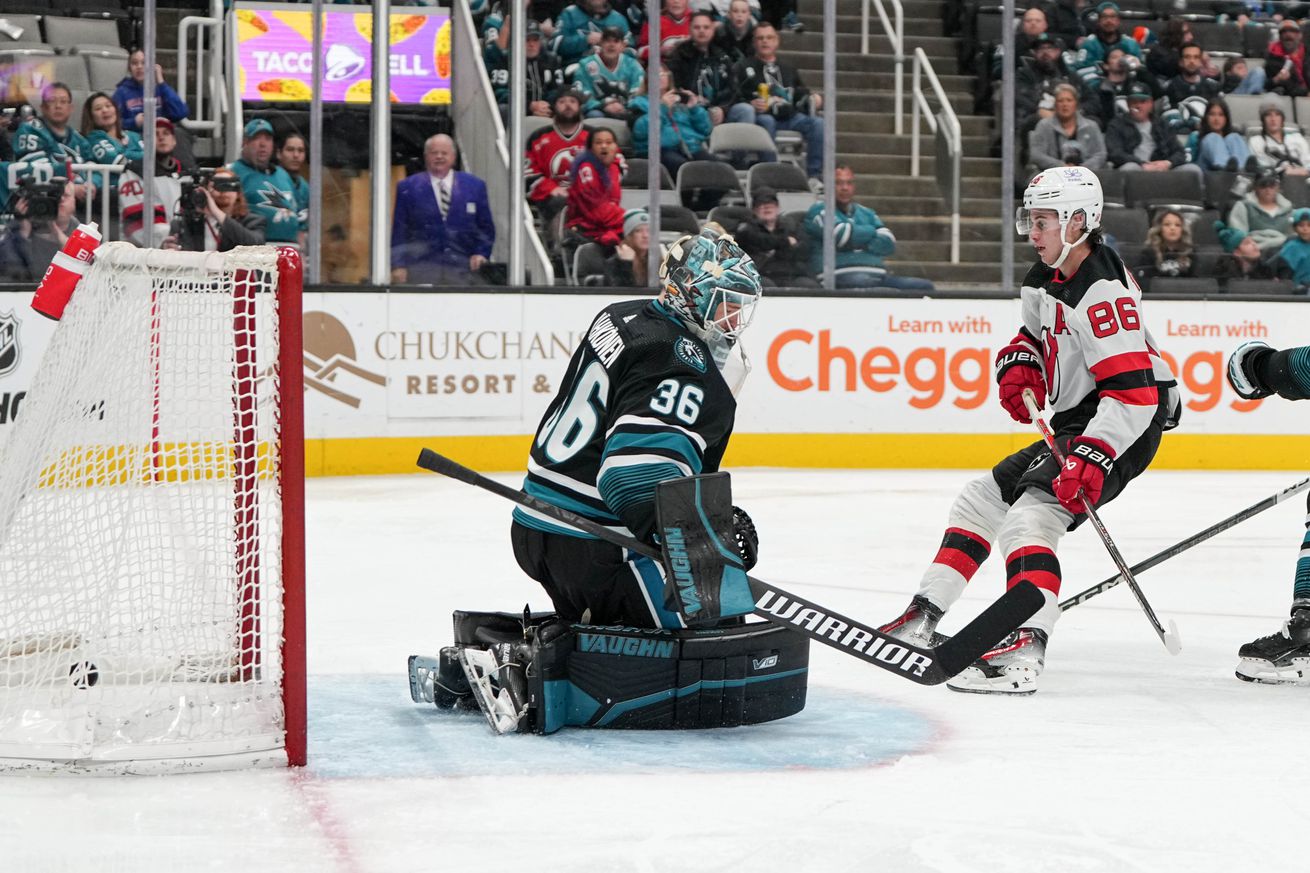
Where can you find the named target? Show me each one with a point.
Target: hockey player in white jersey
(1082, 347)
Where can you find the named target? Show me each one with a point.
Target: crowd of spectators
(261, 197)
(1097, 89)
(721, 63)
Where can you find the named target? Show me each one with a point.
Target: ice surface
(1127, 759)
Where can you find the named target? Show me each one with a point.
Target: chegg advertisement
(846, 382)
(879, 364)
(275, 54)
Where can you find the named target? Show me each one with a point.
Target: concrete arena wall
(837, 382)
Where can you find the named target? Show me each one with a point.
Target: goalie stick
(1168, 637)
(1183, 545)
(926, 666)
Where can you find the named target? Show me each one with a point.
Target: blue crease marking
(366, 727)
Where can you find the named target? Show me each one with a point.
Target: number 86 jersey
(642, 402)
(1104, 376)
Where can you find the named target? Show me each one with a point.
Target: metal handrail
(919, 104)
(197, 119)
(102, 194)
(896, 34)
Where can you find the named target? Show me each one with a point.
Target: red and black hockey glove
(1087, 462)
(1019, 367)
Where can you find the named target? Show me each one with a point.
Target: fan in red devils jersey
(550, 152)
(1084, 349)
(648, 396)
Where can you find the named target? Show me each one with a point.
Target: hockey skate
(440, 681)
(917, 626)
(497, 677)
(1010, 668)
(1240, 376)
(1281, 658)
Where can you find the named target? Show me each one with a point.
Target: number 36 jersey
(642, 402)
(1104, 376)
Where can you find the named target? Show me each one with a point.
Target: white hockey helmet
(1067, 191)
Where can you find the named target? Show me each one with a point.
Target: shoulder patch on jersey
(686, 350)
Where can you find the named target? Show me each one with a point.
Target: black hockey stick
(1168, 637)
(1195, 539)
(926, 666)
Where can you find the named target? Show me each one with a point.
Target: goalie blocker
(538, 673)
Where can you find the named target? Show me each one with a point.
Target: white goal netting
(141, 522)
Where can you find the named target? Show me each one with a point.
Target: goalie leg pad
(613, 677)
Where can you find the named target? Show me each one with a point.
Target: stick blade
(1003, 617)
(1172, 642)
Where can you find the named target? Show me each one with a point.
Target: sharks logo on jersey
(687, 351)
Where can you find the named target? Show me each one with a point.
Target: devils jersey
(549, 158)
(642, 402)
(1104, 377)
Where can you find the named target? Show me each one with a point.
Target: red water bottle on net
(65, 271)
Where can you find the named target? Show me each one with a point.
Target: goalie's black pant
(580, 574)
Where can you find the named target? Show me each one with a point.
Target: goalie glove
(1086, 464)
(1019, 367)
(748, 541)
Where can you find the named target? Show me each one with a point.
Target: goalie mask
(1067, 191)
(711, 286)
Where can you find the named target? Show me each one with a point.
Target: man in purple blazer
(442, 230)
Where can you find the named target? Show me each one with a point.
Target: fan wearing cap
(781, 253)
(1296, 251)
(626, 268)
(1278, 148)
(609, 78)
(1034, 83)
(1263, 213)
(268, 188)
(1285, 71)
(542, 69)
(1141, 140)
(1084, 351)
(1243, 259)
(550, 152)
(1096, 48)
(168, 176)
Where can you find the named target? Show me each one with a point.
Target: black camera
(42, 198)
(193, 200)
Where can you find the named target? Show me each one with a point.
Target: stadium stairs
(912, 207)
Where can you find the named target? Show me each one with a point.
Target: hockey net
(151, 522)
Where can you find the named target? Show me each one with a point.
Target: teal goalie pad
(618, 677)
(705, 577)
(615, 677)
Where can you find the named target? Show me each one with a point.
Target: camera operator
(214, 216)
(44, 216)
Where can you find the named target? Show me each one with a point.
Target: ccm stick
(926, 666)
(1168, 637)
(1194, 540)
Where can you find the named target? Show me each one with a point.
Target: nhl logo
(8, 343)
